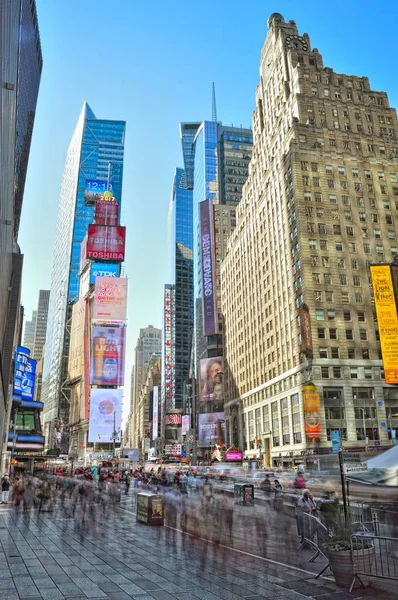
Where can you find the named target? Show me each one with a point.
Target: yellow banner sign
(386, 311)
(312, 411)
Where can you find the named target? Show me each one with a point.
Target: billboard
(386, 310)
(106, 213)
(103, 270)
(168, 363)
(155, 412)
(105, 415)
(211, 429)
(86, 349)
(25, 374)
(306, 335)
(107, 356)
(173, 419)
(208, 279)
(95, 190)
(234, 456)
(185, 424)
(76, 353)
(106, 243)
(312, 411)
(110, 299)
(173, 449)
(211, 374)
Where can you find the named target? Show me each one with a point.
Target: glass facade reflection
(95, 152)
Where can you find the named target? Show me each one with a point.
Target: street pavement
(47, 556)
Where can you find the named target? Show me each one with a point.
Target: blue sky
(152, 64)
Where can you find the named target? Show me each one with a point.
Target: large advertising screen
(105, 415)
(155, 413)
(208, 279)
(211, 429)
(312, 411)
(25, 374)
(106, 243)
(110, 300)
(106, 213)
(173, 419)
(103, 270)
(108, 355)
(386, 311)
(185, 424)
(76, 353)
(211, 374)
(95, 190)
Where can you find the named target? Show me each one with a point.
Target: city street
(51, 557)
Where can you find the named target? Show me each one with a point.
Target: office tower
(320, 205)
(144, 413)
(29, 333)
(95, 154)
(149, 342)
(21, 61)
(41, 324)
(181, 245)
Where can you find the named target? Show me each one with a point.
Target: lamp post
(364, 428)
(114, 435)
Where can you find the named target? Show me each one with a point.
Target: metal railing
(374, 556)
(313, 534)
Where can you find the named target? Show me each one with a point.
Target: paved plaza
(50, 557)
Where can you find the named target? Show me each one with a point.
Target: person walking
(5, 489)
(278, 491)
(305, 505)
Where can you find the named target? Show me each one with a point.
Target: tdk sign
(103, 270)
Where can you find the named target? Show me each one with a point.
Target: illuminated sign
(168, 350)
(185, 424)
(107, 356)
(386, 310)
(233, 456)
(211, 385)
(25, 374)
(173, 419)
(306, 335)
(110, 300)
(173, 449)
(106, 213)
(312, 411)
(155, 412)
(211, 429)
(208, 283)
(96, 190)
(103, 270)
(105, 415)
(106, 243)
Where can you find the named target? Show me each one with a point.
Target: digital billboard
(110, 299)
(103, 270)
(25, 374)
(185, 424)
(95, 190)
(106, 213)
(312, 411)
(386, 311)
(155, 413)
(211, 429)
(306, 335)
(173, 419)
(211, 383)
(105, 415)
(168, 362)
(208, 279)
(106, 243)
(76, 354)
(108, 355)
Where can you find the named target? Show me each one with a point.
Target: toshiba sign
(106, 243)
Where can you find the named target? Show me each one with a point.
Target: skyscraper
(302, 352)
(21, 65)
(29, 333)
(41, 324)
(95, 154)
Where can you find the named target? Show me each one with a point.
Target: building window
(316, 277)
(343, 279)
(363, 334)
(336, 373)
(320, 314)
(333, 333)
(337, 229)
(354, 373)
(339, 246)
(335, 352)
(302, 138)
(347, 316)
(365, 353)
(328, 169)
(357, 281)
(312, 244)
(334, 412)
(354, 264)
(323, 244)
(333, 198)
(323, 352)
(359, 298)
(331, 314)
(321, 333)
(349, 334)
(329, 297)
(325, 372)
(345, 298)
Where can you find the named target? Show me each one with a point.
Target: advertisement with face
(107, 356)
(106, 213)
(105, 412)
(110, 300)
(98, 190)
(211, 374)
(103, 270)
(106, 243)
(212, 429)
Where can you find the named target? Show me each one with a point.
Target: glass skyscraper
(96, 152)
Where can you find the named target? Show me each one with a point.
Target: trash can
(150, 508)
(244, 494)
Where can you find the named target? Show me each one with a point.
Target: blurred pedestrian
(278, 491)
(5, 489)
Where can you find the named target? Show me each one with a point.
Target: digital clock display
(98, 190)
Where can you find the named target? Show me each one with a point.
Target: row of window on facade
(347, 145)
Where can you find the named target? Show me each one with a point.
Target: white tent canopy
(386, 460)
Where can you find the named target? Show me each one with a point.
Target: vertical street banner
(306, 335)
(208, 276)
(386, 311)
(86, 350)
(155, 412)
(312, 412)
(76, 345)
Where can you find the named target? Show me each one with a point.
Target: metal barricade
(313, 534)
(374, 557)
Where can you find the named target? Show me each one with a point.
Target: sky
(152, 64)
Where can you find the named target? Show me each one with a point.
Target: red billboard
(106, 213)
(106, 243)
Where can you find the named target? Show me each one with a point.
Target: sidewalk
(46, 556)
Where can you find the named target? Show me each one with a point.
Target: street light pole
(364, 428)
(114, 435)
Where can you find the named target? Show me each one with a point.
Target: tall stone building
(320, 205)
(29, 332)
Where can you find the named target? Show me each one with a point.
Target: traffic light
(190, 451)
